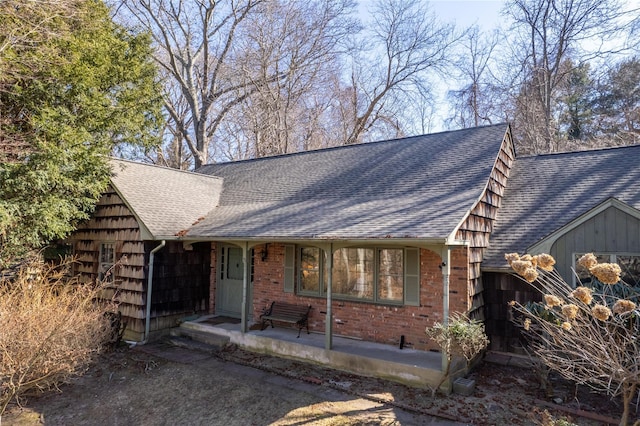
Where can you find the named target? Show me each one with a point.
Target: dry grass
(51, 326)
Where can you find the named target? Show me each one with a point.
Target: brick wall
(368, 321)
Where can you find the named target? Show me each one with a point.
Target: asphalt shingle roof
(167, 201)
(416, 187)
(546, 192)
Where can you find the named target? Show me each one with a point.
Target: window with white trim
(375, 274)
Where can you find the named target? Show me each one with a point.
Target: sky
(485, 13)
(463, 13)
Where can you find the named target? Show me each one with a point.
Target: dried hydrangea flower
(623, 305)
(570, 311)
(510, 257)
(545, 261)
(527, 324)
(588, 261)
(520, 266)
(607, 273)
(566, 326)
(601, 312)
(552, 300)
(583, 294)
(530, 274)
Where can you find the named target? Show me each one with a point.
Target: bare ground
(158, 384)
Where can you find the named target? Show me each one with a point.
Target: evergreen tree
(74, 86)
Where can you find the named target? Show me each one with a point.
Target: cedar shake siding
(113, 222)
(181, 278)
(180, 282)
(479, 224)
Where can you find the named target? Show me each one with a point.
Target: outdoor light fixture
(265, 252)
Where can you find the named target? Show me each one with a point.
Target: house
(564, 204)
(381, 239)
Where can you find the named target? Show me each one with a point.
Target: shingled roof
(546, 192)
(165, 201)
(416, 187)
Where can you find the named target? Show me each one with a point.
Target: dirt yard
(157, 385)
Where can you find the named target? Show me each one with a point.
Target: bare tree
(195, 44)
(302, 43)
(402, 45)
(547, 34)
(241, 76)
(472, 104)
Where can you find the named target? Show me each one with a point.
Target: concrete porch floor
(409, 366)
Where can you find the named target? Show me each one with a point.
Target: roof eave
(430, 243)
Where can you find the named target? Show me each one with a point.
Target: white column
(246, 276)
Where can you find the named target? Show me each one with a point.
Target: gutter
(149, 291)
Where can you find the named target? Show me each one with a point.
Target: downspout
(149, 290)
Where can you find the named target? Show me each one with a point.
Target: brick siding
(366, 320)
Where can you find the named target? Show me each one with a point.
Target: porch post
(246, 276)
(446, 273)
(328, 331)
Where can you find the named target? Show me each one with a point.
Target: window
(390, 275)
(353, 273)
(310, 270)
(232, 265)
(629, 263)
(107, 258)
(372, 274)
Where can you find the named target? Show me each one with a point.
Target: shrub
(587, 334)
(52, 328)
(460, 336)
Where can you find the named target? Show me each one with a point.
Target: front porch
(409, 366)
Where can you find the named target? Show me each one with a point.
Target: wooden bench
(287, 312)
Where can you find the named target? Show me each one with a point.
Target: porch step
(197, 339)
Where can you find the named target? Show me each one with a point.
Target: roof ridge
(170, 169)
(590, 150)
(352, 146)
